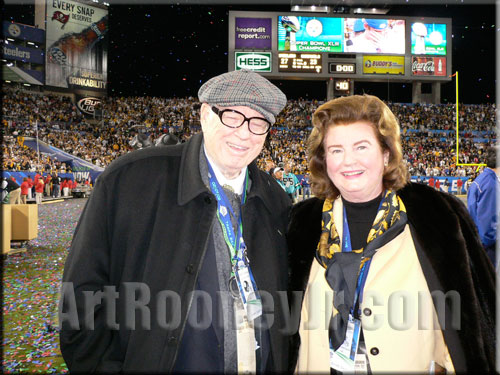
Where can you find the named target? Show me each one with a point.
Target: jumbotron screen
(310, 34)
(428, 38)
(335, 34)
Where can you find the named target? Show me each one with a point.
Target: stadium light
(312, 8)
(370, 11)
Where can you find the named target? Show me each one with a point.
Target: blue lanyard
(224, 209)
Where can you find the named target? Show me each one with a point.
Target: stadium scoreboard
(300, 62)
(293, 45)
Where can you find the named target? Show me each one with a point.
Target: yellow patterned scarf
(342, 268)
(330, 241)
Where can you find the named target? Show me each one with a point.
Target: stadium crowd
(428, 131)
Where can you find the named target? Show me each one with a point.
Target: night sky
(170, 50)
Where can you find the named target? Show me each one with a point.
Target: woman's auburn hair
(345, 111)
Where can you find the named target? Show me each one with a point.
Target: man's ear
(205, 111)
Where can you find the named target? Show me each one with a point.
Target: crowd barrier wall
(83, 175)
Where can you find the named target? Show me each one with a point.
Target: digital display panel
(374, 35)
(310, 34)
(342, 68)
(342, 86)
(428, 38)
(300, 62)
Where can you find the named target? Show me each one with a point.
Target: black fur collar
(451, 256)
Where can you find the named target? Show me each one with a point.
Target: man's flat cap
(244, 88)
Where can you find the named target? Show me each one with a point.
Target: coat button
(367, 311)
(208, 200)
(374, 351)
(172, 341)
(189, 268)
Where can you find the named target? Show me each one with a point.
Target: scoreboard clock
(342, 86)
(341, 68)
(300, 62)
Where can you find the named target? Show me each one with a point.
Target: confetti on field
(31, 282)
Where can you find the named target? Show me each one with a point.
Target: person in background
(48, 184)
(30, 189)
(447, 186)
(482, 203)
(291, 182)
(278, 175)
(39, 191)
(437, 184)
(24, 190)
(306, 186)
(56, 185)
(459, 186)
(431, 182)
(65, 187)
(370, 237)
(194, 219)
(14, 190)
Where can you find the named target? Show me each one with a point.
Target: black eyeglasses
(234, 119)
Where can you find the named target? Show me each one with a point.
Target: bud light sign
(87, 105)
(256, 61)
(428, 66)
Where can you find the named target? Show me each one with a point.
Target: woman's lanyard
(364, 267)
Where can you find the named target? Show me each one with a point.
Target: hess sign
(256, 61)
(342, 68)
(300, 62)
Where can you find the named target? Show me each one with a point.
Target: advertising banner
(87, 105)
(383, 65)
(76, 54)
(428, 66)
(24, 54)
(374, 35)
(252, 33)
(310, 34)
(428, 38)
(256, 61)
(23, 32)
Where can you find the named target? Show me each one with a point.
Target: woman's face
(355, 161)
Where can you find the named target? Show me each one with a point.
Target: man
(482, 204)
(291, 182)
(56, 186)
(14, 190)
(306, 186)
(278, 175)
(459, 186)
(179, 229)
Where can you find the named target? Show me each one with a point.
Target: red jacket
(30, 181)
(39, 186)
(25, 187)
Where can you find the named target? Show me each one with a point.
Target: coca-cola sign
(428, 66)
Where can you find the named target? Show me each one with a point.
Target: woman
(385, 247)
